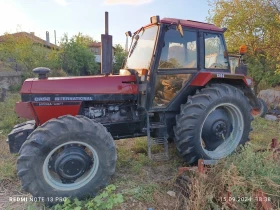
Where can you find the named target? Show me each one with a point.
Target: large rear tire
(66, 157)
(212, 123)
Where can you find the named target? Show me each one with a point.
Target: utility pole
(54, 37)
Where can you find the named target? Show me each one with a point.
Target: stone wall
(9, 78)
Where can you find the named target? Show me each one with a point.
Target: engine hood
(114, 84)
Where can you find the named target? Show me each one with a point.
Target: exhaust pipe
(106, 50)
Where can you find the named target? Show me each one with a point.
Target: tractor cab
(172, 52)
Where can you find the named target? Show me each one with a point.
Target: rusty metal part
(274, 144)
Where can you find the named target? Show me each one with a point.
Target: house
(20, 36)
(95, 48)
(31, 36)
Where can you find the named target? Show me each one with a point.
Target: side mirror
(180, 29)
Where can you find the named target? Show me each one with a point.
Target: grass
(264, 131)
(242, 174)
(8, 117)
(144, 183)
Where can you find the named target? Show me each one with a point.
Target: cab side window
(178, 51)
(215, 54)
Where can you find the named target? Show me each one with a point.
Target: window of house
(178, 51)
(96, 51)
(215, 54)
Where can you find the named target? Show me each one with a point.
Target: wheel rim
(54, 180)
(233, 134)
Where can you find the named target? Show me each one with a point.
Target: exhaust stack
(106, 50)
(47, 38)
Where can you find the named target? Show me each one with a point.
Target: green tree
(255, 23)
(23, 52)
(75, 56)
(120, 56)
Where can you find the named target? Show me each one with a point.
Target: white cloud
(131, 2)
(62, 2)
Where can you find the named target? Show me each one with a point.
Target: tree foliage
(76, 58)
(255, 23)
(73, 57)
(25, 55)
(120, 56)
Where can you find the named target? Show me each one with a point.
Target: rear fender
(242, 82)
(202, 78)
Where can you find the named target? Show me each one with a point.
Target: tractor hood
(114, 84)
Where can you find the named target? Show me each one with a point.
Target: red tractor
(175, 84)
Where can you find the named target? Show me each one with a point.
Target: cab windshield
(142, 48)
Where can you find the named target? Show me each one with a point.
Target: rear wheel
(212, 123)
(262, 111)
(66, 157)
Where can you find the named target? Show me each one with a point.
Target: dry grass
(144, 183)
(7, 120)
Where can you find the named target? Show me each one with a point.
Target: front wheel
(66, 157)
(212, 123)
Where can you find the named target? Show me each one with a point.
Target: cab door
(176, 66)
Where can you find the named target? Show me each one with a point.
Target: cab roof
(193, 24)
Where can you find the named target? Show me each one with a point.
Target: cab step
(158, 146)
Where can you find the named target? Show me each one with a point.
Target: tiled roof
(96, 44)
(35, 39)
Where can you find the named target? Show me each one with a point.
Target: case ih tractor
(175, 84)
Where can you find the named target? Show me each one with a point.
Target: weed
(124, 157)
(141, 146)
(145, 192)
(7, 168)
(8, 118)
(107, 199)
(139, 162)
(264, 131)
(15, 88)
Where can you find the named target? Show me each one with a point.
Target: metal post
(47, 38)
(54, 37)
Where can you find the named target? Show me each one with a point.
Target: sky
(87, 16)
